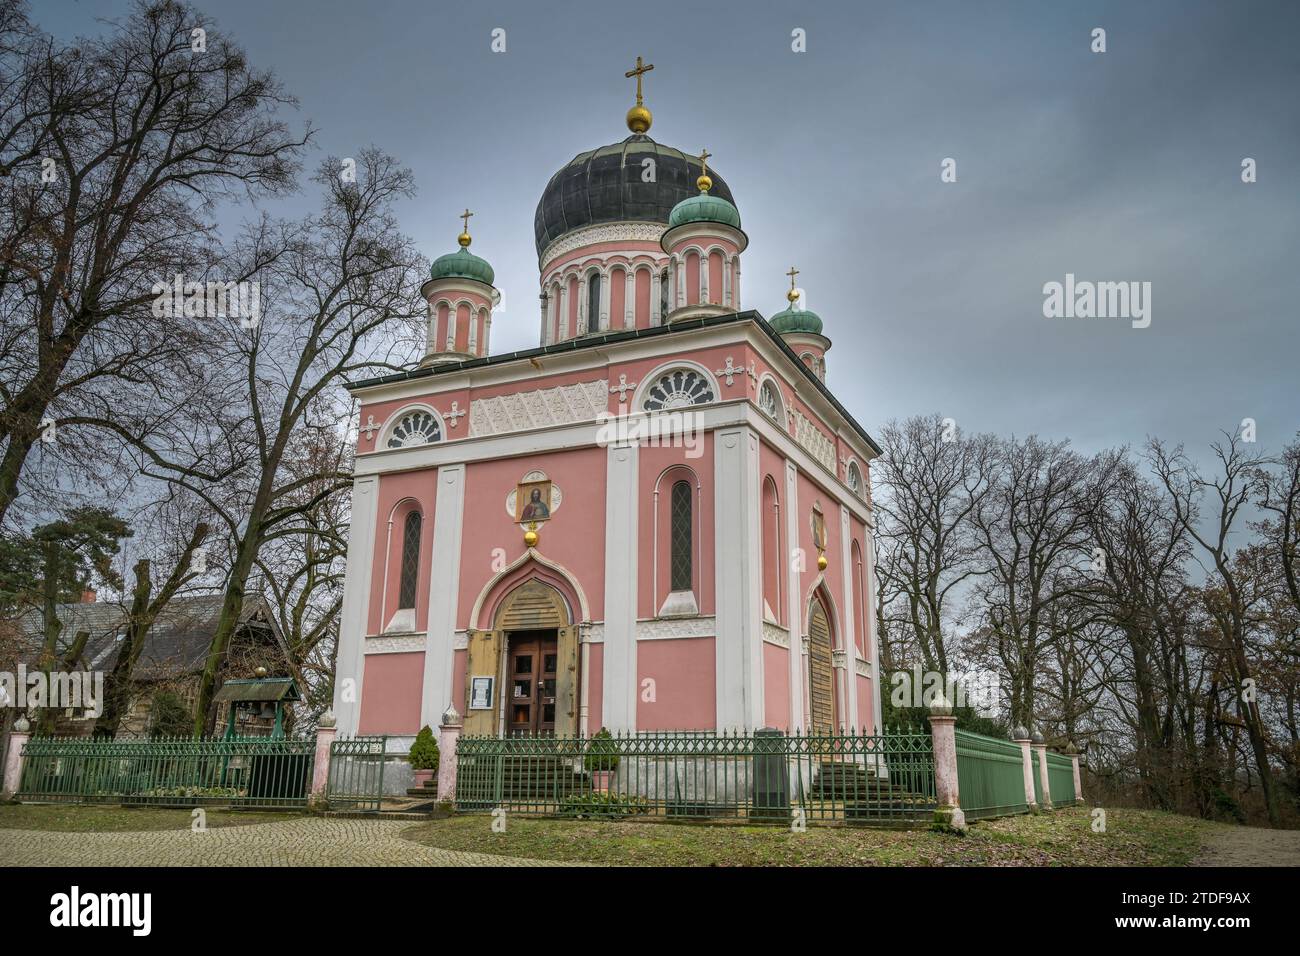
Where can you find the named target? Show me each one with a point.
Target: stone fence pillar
(1021, 737)
(448, 734)
(326, 728)
(13, 774)
(1041, 746)
(947, 813)
(1078, 785)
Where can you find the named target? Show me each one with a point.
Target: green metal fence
(174, 772)
(760, 777)
(356, 777)
(990, 776)
(1060, 779)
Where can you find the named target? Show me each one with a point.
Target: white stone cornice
(775, 634)
(394, 643)
(670, 628)
(600, 232)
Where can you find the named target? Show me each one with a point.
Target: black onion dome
(604, 185)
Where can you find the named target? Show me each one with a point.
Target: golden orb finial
(822, 562)
(638, 117)
(464, 238)
(530, 538)
(704, 182)
(793, 294)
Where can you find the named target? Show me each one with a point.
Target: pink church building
(657, 519)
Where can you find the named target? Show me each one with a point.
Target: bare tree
(1229, 593)
(113, 151)
(933, 477)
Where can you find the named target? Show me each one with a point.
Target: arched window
(679, 388)
(772, 564)
(680, 568)
(854, 478)
(415, 428)
(410, 560)
(593, 301)
(769, 401)
(664, 308)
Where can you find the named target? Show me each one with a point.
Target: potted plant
(601, 760)
(424, 757)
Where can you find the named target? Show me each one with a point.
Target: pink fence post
(326, 728)
(1021, 736)
(448, 733)
(13, 775)
(1041, 746)
(1078, 784)
(947, 812)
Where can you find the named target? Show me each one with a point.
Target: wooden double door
(532, 681)
(821, 671)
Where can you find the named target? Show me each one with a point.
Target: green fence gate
(356, 777)
(1060, 779)
(990, 776)
(761, 777)
(175, 772)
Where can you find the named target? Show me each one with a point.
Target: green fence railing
(177, 772)
(356, 777)
(990, 776)
(760, 777)
(1060, 779)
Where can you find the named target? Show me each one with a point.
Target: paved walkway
(310, 841)
(1250, 846)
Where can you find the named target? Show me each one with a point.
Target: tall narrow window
(663, 293)
(680, 555)
(593, 302)
(410, 560)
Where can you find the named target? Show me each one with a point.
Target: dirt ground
(1250, 846)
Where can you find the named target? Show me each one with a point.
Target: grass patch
(94, 818)
(1063, 838)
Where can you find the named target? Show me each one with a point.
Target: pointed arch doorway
(821, 672)
(531, 653)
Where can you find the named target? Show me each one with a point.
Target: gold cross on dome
(465, 216)
(792, 273)
(638, 72)
(704, 162)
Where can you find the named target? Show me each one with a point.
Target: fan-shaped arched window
(680, 566)
(415, 428)
(679, 388)
(410, 560)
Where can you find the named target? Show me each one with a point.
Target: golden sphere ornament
(822, 562)
(639, 119)
(530, 538)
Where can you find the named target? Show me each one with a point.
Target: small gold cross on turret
(464, 239)
(704, 182)
(793, 294)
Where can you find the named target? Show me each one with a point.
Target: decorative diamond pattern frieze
(562, 405)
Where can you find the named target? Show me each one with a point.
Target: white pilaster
(873, 646)
(452, 311)
(444, 591)
(546, 325)
(564, 312)
(794, 596)
(604, 300)
(726, 282)
(850, 621)
(735, 286)
(629, 299)
(473, 333)
(739, 641)
(584, 320)
(356, 604)
(620, 673)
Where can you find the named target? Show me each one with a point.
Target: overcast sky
(1123, 165)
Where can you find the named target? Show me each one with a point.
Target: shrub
(168, 716)
(601, 806)
(424, 752)
(602, 752)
